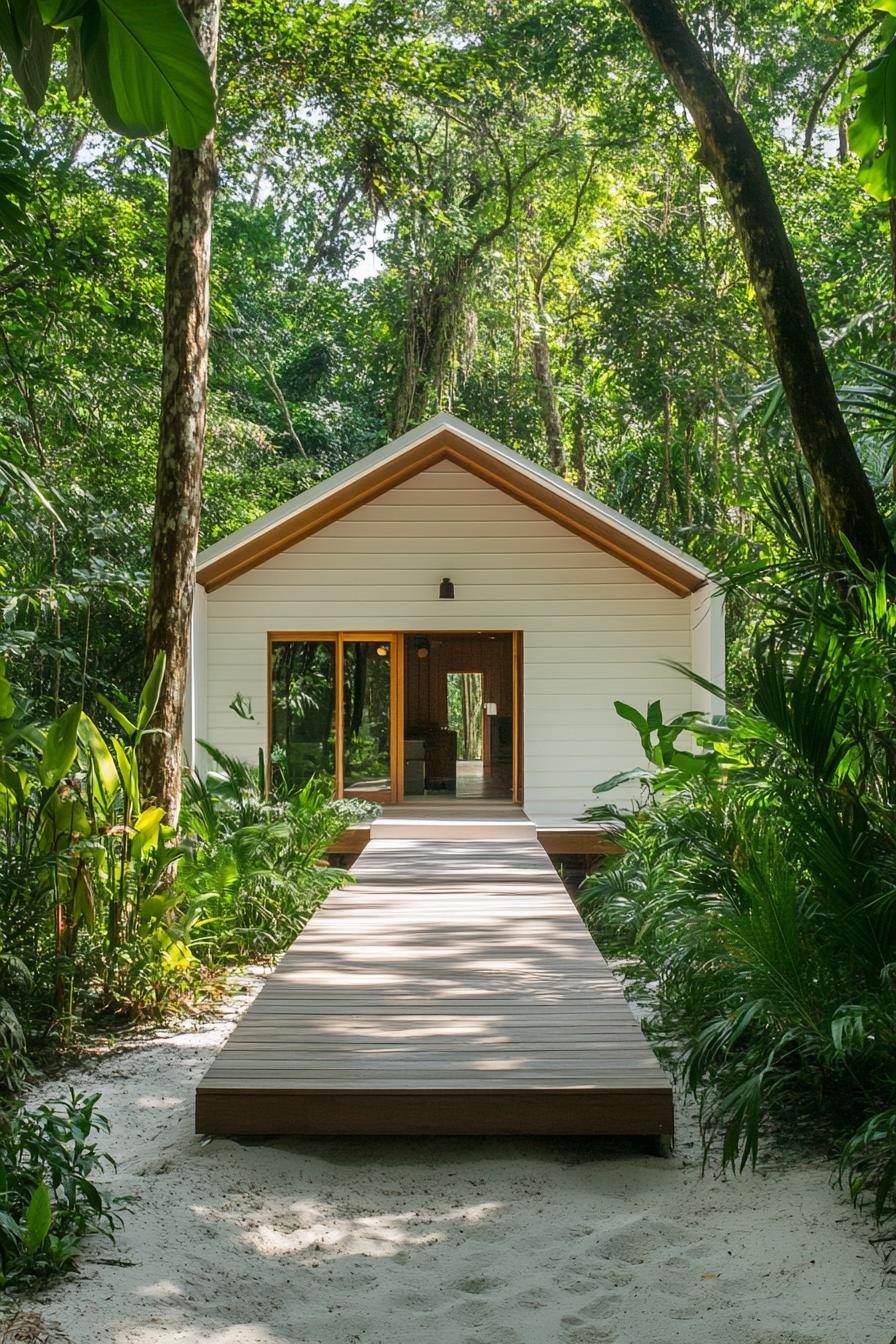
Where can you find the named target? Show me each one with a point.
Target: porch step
(480, 827)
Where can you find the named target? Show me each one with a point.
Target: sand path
(469, 1241)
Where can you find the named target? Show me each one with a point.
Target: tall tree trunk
(430, 342)
(577, 454)
(667, 455)
(577, 457)
(730, 153)
(548, 405)
(191, 188)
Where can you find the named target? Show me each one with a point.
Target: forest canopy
(496, 208)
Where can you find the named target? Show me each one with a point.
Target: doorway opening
(465, 719)
(460, 706)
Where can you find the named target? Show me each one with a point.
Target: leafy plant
(254, 869)
(49, 1199)
(755, 902)
(82, 899)
(139, 59)
(872, 132)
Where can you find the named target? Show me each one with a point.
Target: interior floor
(473, 782)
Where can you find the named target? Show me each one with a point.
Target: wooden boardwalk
(454, 989)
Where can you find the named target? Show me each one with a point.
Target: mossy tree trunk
(731, 155)
(191, 188)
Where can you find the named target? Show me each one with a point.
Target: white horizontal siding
(594, 630)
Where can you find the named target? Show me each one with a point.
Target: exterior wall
(594, 630)
(196, 697)
(708, 646)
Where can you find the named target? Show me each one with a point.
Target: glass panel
(303, 710)
(367, 709)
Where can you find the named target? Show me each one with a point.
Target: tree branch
(833, 77)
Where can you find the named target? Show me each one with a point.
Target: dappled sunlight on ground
(451, 1241)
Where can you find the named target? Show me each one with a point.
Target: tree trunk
(730, 153)
(191, 188)
(429, 345)
(577, 454)
(577, 461)
(667, 456)
(544, 387)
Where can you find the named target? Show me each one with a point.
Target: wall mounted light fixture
(446, 589)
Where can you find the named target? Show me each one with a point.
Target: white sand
(450, 1241)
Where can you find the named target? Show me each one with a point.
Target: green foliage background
(393, 180)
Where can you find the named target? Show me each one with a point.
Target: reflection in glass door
(367, 729)
(303, 710)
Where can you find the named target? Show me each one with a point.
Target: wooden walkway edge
(452, 989)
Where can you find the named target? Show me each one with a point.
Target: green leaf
(146, 830)
(149, 696)
(61, 11)
(60, 747)
(145, 71)
(103, 774)
(616, 781)
(121, 719)
(38, 1218)
(28, 46)
(127, 770)
(7, 704)
(872, 132)
(631, 714)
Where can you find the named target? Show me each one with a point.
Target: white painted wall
(594, 630)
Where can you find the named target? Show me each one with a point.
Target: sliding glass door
(333, 702)
(367, 736)
(303, 710)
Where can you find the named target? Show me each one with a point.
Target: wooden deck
(453, 989)
(558, 838)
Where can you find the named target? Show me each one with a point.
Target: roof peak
(446, 436)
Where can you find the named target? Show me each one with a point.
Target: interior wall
(426, 679)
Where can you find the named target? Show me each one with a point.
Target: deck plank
(453, 989)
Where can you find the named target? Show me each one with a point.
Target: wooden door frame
(516, 638)
(339, 639)
(398, 650)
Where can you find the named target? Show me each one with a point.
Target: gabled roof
(445, 437)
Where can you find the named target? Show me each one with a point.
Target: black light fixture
(446, 589)
(421, 646)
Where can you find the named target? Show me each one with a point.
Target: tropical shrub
(102, 911)
(253, 872)
(83, 904)
(755, 905)
(49, 1201)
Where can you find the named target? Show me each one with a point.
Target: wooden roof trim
(447, 444)
(319, 515)
(578, 521)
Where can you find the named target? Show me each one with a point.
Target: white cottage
(347, 626)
